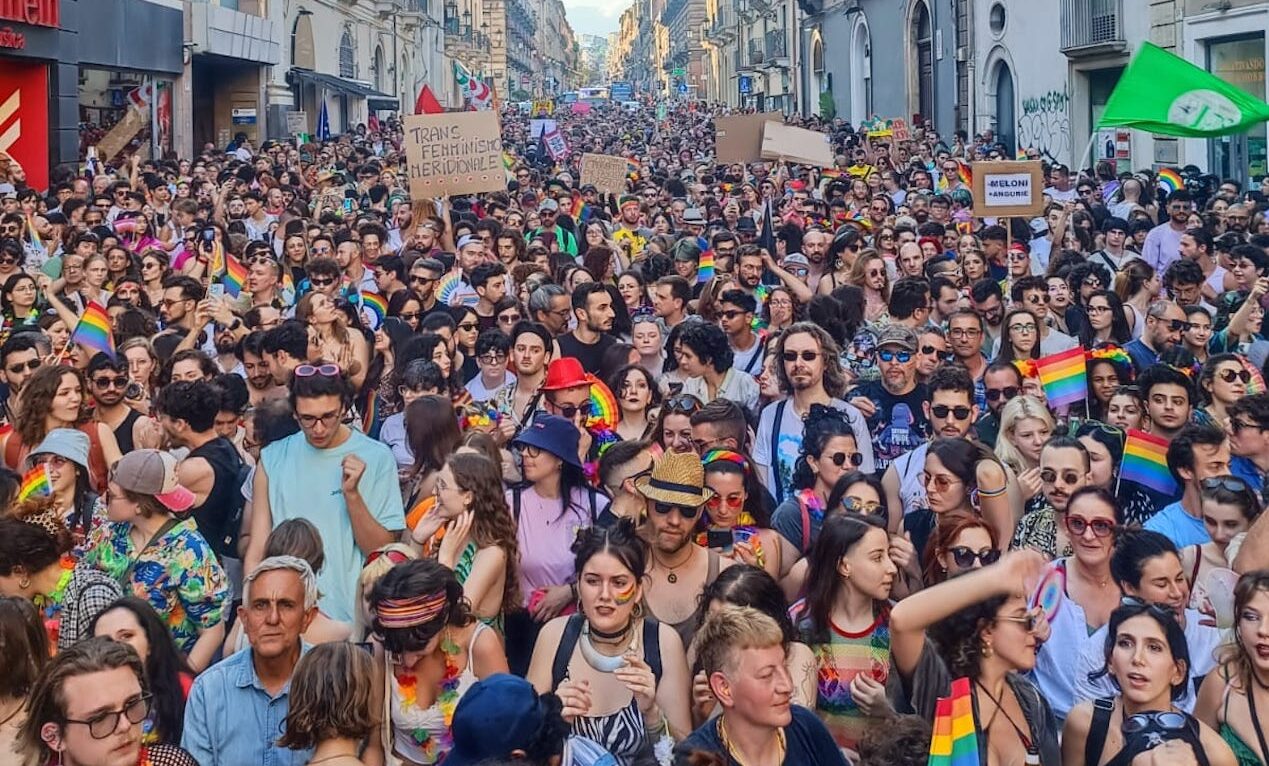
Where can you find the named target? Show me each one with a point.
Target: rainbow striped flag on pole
(1146, 462)
(235, 275)
(92, 331)
(955, 739)
(1064, 377)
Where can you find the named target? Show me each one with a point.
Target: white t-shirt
(788, 437)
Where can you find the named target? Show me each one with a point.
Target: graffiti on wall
(1046, 125)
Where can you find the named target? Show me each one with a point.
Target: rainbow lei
(51, 605)
(447, 701)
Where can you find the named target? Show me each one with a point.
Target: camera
(133, 391)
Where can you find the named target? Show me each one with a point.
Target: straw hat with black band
(678, 478)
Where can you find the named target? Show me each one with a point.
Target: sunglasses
(1029, 621)
(1229, 376)
(941, 411)
(807, 356)
(315, 282)
(1050, 476)
(468, 326)
(32, 366)
(509, 318)
(965, 557)
(862, 507)
(108, 382)
(732, 502)
(941, 483)
(567, 411)
(686, 511)
(1076, 525)
(395, 556)
(1228, 483)
(1179, 325)
(1008, 392)
(683, 403)
(324, 370)
(889, 356)
(731, 314)
(840, 458)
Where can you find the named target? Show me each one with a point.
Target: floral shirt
(178, 574)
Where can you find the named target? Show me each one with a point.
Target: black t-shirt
(589, 355)
(806, 738)
(898, 425)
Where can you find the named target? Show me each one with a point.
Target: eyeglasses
(965, 557)
(1020, 327)
(492, 358)
(964, 332)
(686, 511)
(325, 370)
(569, 410)
(683, 403)
(1229, 376)
(1228, 483)
(941, 483)
(941, 411)
(1029, 621)
(1076, 525)
(328, 420)
(119, 381)
(1238, 425)
(52, 461)
(1008, 392)
(30, 366)
(806, 356)
(840, 459)
(889, 356)
(106, 723)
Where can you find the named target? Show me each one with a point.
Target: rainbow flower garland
(434, 746)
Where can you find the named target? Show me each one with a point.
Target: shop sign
(243, 116)
(38, 13)
(24, 118)
(12, 39)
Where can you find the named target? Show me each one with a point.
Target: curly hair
(37, 398)
(492, 523)
(959, 636)
(709, 343)
(822, 424)
(830, 353)
(331, 696)
(32, 537)
(903, 741)
(410, 580)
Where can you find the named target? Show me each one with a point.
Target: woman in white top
(1137, 285)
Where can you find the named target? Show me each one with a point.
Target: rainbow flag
(705, 271)
(603, 406)
(93, 330)
(1169, 180)
(1064, 377)
(1146, 462)
(375, 303)
(447, 288)
(36, 242)
(35, 483)
(965, 173)
(578, 208)
(955, 738)
(235, 276)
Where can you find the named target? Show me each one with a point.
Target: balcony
(723, 28)
(757, 55)
(1092, 27)
(777, 48)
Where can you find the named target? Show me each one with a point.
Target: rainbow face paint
(623, 597)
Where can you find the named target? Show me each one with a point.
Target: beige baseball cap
(153, 472)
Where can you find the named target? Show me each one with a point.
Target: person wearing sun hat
(159, 557)
(680, 570)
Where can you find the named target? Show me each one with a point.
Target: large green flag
(1163, 93)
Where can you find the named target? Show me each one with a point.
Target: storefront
(109, 58)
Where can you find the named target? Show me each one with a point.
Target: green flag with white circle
(1163, 93)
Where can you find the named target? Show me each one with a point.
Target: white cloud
(594, 17)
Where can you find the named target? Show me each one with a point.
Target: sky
(594, 17)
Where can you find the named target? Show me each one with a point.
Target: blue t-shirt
(1245, 469)
(306, 483)
(807, 741)
(1142, 355)
(1179, 527)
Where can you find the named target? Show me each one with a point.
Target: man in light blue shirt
(237, 708)
(342, 481)
(1197, 453)
(1163, 243)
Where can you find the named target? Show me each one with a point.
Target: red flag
(427, 103)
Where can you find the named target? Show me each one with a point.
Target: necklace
(731, 748)
(672, 577)
(324, 759)
(602, 662)
(1032, 752)
(407, 682)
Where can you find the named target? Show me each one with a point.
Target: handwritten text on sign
(1007, 189)
(454, 153)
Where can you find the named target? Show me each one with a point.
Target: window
(347, 56)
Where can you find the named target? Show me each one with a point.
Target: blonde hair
(859, 271)
(731, 629)
(371, 574)
(1018, 409)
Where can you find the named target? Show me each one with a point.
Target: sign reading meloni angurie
(1008, 188)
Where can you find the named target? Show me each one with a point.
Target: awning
(374, 99)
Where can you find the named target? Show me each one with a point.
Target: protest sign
(738, 138)
(556, 145)
(606, 172)
(454, 153)
(787, 143)
(539, 128)
(1008, 188)
(899, 130)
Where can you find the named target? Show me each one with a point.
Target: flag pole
(1087, 154)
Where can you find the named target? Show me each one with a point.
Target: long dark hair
(164, 666)
(745, 585)
(1120, 332)
(839, 534)
(1171, 630)
(822, 424)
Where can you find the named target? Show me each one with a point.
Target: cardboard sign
(1008, 188)
(899, 130)
(124, 131)
(454, 153)
(606, 172)
(738, 138)
(877, 127)
(296, 123)
(538, 128)
(787, 143)
(543, 108)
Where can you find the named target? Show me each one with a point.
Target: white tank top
(909, 466)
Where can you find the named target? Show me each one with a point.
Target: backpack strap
(564, 652)
(775, 447)
(515, 504)
(1097, 730)
(652, 646)
(806, 524)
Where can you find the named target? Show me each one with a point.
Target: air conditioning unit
(962, 54)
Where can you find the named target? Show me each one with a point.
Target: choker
(602, 662)
(609, 636)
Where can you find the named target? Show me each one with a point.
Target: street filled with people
(753, 463)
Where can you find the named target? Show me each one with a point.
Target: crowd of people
(751, 465)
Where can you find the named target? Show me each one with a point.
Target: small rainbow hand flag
(955, 738)
(447, 288)
(1146, 462)
(705, 271)
(93, 330)
(578, 207)
(235, 276)
(377, 306)
(1169, 180)
(35, 483)
(603, 406)
(965, 173)
(1063, 376)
